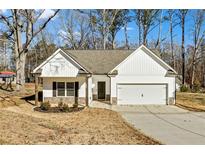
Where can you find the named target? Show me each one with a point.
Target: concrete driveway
(168, 124)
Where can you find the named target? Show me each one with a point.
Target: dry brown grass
(191, 101)
(20, 124)
(13, 98)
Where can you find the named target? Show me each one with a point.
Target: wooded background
(28, 37)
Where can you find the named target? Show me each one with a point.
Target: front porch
(69, 90)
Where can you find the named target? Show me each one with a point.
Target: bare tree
(104, 21)
(23, 22)
(198, 36)
(172, 24)
(121, 19)
(93, 29)
(158, 43)
(75, 29)
(138, 22)
(146, 22)
(182, 16)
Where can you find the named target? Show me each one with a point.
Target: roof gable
(151, 54)
(38, 69)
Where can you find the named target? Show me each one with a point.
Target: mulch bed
(58, 110)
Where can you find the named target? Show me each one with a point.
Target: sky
(133, 30)
(54, 27)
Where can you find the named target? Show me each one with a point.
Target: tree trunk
(158, 44)
(20, 71)
(113, 43)
(104, 30)
(171, 43)
(192, 74)
(126, 37)
(144, 36)
(113, 40)
(19, 54)
(139, 26)
(183, 52)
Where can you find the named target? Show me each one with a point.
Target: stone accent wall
(171, 101)
(107, 97)
(114, 100)
(95, 97)
(82, 100)
(68, 100)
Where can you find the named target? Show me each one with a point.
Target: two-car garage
(138, 94)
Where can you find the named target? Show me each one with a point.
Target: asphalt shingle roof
(99, 61)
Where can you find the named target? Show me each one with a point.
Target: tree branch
(41, 28)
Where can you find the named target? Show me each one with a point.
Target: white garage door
(136, 94)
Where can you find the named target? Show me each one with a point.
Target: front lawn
(20, 124)
(191, 101)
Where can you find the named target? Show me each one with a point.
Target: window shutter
(76, 88)
(54, 89)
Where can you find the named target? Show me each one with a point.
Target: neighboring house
(118, 76)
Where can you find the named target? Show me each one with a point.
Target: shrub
(60, 104)
(184, 88)
(75, 105)
(196, 88)
(45, 106)
(63, 106)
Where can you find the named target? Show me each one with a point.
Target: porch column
(110, 90)
(36, 89)
(86, 91)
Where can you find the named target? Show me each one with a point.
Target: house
(123, 77)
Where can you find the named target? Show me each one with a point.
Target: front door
(101, 90)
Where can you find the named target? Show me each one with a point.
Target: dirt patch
(15, 98)
(22, 125)
(191, 101)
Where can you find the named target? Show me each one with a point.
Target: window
(70, 89)
(61, 88)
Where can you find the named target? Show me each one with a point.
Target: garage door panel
(141, 94)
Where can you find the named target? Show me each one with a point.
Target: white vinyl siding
(48, 81)
(141, 64)
(59, 66)
(141, 68)
(100, 78)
